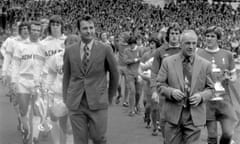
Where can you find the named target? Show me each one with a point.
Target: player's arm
(111, 65)
(66, 73)
(16, 63)
(52, 72)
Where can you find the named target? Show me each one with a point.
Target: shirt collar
(212, 51)
(62, 37)
(90, 44)
(190, 58)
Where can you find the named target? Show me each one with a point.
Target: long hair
(55, 19)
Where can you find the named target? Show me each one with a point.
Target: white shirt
(55, 73)
(9, 48)
(28, 61)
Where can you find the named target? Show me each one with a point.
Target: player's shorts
(217, 110)
(25, 86)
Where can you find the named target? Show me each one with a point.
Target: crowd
(115, 16)
(141, 36)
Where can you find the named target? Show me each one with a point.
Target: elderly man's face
(189, 44)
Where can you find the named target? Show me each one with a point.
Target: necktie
(187, 74)
(86, 57)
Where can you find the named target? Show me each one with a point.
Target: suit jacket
(170, 77)
(161, 53)
(94, 81)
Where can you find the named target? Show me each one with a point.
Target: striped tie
(86, 57)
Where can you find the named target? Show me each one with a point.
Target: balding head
(187, 34)
(188, 41)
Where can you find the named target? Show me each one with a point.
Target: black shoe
(117, 101)
(148, 124)
(155, 132)
(125, 104)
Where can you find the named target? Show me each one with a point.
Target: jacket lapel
(78, 56)
(179, 71)
(196, 69)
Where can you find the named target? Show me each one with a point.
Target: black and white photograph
(119, 71)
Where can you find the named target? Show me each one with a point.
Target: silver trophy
(42, 105)
(218, 74)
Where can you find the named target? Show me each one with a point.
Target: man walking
(85, 84)
(185, 80)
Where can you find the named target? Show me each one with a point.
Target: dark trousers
(183, 133)
(89, 124)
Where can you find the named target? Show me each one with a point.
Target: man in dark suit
(86, 91)
(185, 80)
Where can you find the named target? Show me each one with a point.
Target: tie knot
(186, 60)
(86, 48)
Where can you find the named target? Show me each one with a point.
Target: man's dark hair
(132, 40)
(21, 25)
(155, 40)
(84, 18)
(174, 26)
(55, 19)
(215, 29)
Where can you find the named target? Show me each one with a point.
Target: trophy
(218, 74)
(42, 105)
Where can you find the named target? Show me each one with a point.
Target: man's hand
(177, 94)
(195, 99)
(155, 97)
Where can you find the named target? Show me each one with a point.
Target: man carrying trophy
(220, 108)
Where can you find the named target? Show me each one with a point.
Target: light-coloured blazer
(170, 77)
(94, 81)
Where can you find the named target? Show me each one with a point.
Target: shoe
(117, 101)
(148, 124)
(25, 136)
(138, 110)
(155, 132)
(125, 104)
(131, 114)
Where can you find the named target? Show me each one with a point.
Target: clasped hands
(194, 100)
